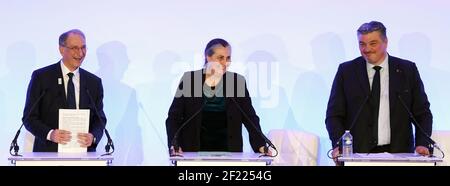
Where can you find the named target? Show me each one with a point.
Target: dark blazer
(44, 117)
(189, 100)
(350, 89)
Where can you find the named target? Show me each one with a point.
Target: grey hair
(373, 26)
(217, 42)
(63, 37)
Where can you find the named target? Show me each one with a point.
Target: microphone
(433, 144)
(109, 145)
(151, 123)
(174, 142)
(14, 141)
(338, 143)
(266, 140)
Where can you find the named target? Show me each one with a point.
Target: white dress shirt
(76, 83)
(384, 123)
(75, 80)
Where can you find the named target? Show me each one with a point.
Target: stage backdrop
(288, 50)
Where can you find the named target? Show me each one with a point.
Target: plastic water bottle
(347, 144)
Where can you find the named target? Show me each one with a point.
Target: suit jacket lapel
(394, 83)
(60, 86)
(84, 100)
(196, 89)
(361, 71)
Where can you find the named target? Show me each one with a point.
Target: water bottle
(347, 144)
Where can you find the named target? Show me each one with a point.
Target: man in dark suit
(376, 83)
(214, 103)
(64, 85)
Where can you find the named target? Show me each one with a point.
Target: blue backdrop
(289, 51)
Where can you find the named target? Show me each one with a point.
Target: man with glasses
(64, 85)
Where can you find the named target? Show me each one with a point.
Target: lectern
(61, 159)
(221, 159)
(389, 159)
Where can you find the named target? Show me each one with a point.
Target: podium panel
(221, 159)
(61, 159)
(389, 159)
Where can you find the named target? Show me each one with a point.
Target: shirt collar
(65, 70)
(383, 64)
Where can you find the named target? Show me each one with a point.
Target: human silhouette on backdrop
(120, 103)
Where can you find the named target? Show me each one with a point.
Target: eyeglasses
(76, 49)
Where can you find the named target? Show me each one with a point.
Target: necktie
(71, 103)
(376, 101)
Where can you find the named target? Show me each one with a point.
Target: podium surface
(61, 159)
(221, 159)
(389, 159)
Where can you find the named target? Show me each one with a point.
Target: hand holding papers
(75, 121)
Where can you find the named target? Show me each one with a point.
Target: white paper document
(75, 121)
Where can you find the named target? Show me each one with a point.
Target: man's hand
(176, 153)
(60, 136)
(85, 139)
(261, 150)
(334, 154)
(422, 150)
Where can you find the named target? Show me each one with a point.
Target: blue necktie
(71, 103)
